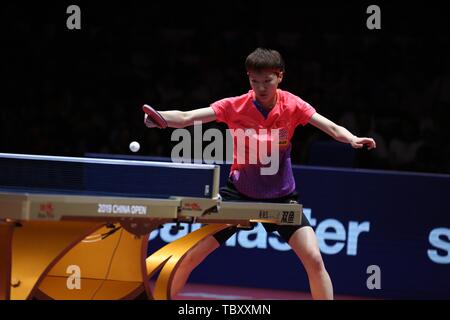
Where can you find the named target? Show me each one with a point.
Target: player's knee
(314, 262)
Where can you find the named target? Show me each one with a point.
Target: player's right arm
(181, 119)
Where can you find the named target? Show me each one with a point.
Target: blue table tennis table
(77, 228)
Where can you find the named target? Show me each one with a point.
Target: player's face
(265, 84)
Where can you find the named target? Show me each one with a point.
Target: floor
(212, 292)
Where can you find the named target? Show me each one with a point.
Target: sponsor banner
(381, 234)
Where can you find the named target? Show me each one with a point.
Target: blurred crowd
(70, 92)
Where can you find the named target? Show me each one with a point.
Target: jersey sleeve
(303, 111)
(222, 109)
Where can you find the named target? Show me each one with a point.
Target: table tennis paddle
(155, 116)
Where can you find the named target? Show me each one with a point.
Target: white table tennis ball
(134, 146)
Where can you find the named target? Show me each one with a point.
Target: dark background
(68, 92)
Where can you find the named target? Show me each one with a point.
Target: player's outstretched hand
(152, 118)
(358, 143)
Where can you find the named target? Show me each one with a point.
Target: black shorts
(230, 193)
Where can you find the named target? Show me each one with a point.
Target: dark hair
(262, 59)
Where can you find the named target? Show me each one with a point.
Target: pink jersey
(243, 112)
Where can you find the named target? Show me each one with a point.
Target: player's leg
(303, 242)
(192, 260)
(194, 257)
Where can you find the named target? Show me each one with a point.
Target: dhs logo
(287, 217)
(263, 214)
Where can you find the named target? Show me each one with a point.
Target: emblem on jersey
(283, 134)
(284, 137)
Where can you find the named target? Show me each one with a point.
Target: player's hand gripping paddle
(153, 117)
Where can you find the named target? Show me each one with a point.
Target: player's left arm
(340, 133)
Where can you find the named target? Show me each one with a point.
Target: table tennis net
(70, 175)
